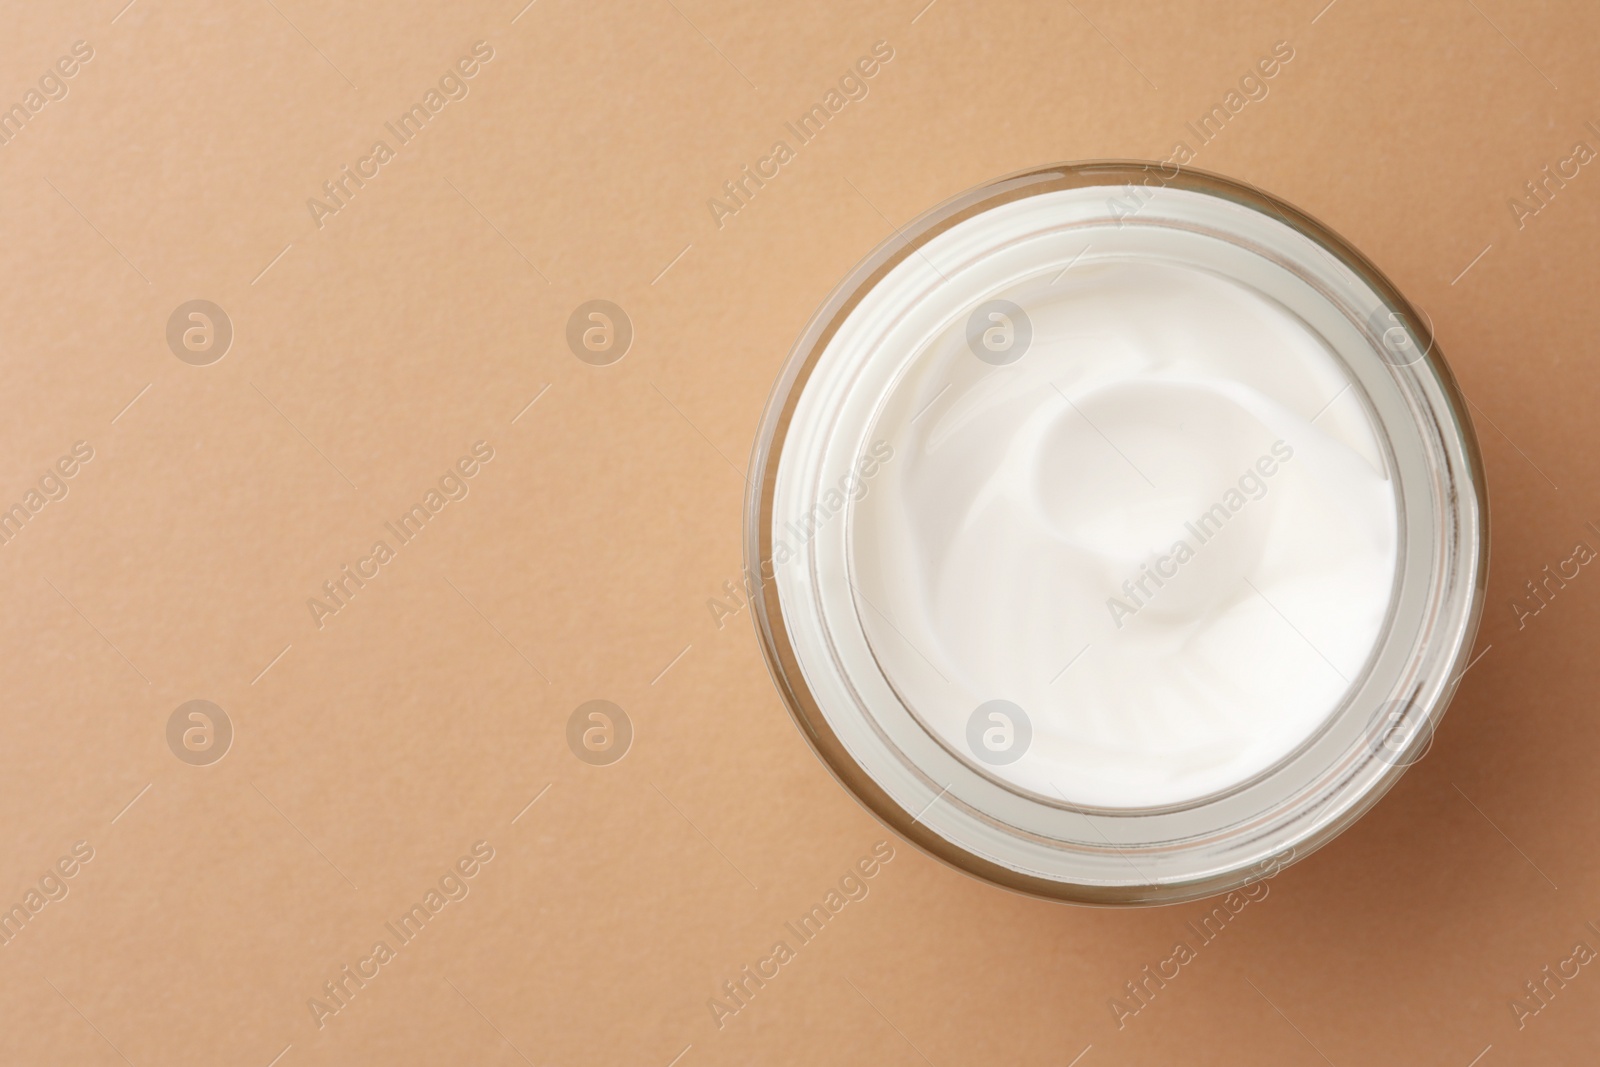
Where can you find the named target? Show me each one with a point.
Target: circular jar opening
(1118, 533)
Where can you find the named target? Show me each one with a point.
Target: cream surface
(1164, 536)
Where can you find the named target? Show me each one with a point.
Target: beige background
(369, 354)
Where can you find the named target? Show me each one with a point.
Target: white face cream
(1165, 532)
(1117, 532)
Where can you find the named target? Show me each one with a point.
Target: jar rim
(1463, 559)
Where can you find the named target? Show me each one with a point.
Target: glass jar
(1090, 813)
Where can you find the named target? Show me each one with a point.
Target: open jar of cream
(1117, 533)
